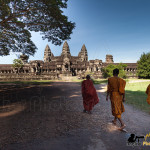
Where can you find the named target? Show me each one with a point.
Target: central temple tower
(65, 50)
(48, 55)
(83, 56)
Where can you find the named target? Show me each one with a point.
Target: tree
(108, 70)
(19, 17)
(144, 66)
(17, 64)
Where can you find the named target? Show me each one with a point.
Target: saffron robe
(148, 94)
(116, 87)
(89, 95)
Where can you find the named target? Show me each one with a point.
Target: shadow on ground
(50, 117)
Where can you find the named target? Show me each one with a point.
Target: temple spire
(65, 49)
(109, 58)
(83, 49)
(83, 53)
(48, 55)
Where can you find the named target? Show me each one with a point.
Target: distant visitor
(116, 90)
(148, 94)
(90, 98)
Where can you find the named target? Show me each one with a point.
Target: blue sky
(117, 27)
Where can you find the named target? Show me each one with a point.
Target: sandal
(114, 122)
(122, 127)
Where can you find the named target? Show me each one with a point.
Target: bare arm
(147, 90)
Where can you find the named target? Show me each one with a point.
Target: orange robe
(116, 87)
(89, 95)
(148, 94)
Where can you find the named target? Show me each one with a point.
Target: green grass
(99, 81)
(136, 96)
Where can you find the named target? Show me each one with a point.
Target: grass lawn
(136, 96)
(99, 81)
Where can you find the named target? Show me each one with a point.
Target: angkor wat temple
(57, 67)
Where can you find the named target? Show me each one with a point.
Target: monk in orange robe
(116, 90)
(148, 94)
(89, 95)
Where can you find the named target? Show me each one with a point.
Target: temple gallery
(57, 67)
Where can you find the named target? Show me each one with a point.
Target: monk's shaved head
(116, 71)
(88, 77)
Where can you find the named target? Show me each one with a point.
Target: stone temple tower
(83, 54)
(48, 55)
(109, 59)
(66, 49)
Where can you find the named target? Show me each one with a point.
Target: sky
(117, 27)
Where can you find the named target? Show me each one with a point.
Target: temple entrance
(66, 67)
(73, 72)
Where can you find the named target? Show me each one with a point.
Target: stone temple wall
(59, 67)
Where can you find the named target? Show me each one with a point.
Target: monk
(89, 95)
(148, 94)
(116, 90)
